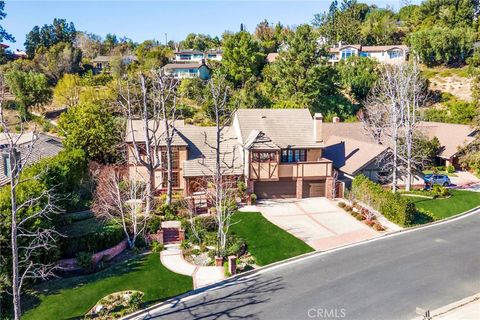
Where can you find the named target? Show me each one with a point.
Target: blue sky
(141, 20)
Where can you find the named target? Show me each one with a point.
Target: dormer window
(263, 156)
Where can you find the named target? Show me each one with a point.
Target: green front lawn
(68, 298)
(265, 241)
(459, 202)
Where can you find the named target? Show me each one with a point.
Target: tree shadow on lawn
(422, 218)
(233, 300)
(54, 286)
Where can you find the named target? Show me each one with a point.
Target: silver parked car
(440, 179)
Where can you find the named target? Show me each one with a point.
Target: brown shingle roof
(45, 146)
(350, 155)
(383, 48)
(138, 132)
(369, 48)
(287, 128)
(362, 149)
(172, 66)
(201, 156)
(451, 136)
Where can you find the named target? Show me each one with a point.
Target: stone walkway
(172, 259)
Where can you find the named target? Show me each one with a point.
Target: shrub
(157, 246)
(369, 223)
(135, 301)
(378, 227)
(184, 244)
(440, 191)
(84, 260)
(342, 205)
(225, 270)
(167, 211)
(235, 246)
(450, 169)
(154, 223)
(253, 198)
(242, 188)
(91, 235)
(394, 207)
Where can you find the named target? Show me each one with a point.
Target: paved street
(384, 279)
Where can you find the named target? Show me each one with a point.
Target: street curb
(289, 260)
(450, 307)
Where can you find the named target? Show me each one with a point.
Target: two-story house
(282, 153)
(188, 70)
(393, 54)
(277, 152)
(102, 63)
(191, 55)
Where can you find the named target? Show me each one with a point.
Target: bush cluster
(99, 237)
(395, 208)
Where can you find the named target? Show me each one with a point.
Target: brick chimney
(317, 127)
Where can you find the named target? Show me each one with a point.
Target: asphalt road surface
(383, 279)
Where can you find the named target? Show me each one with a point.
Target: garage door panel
(275, 189)
(313, 188)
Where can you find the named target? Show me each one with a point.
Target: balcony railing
(321, 168)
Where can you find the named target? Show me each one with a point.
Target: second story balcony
(307, 169)
(274, 171)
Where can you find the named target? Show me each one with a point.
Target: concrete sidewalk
(465, 309)
(172, 259)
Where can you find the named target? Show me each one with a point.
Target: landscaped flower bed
(116, 305)
(362, 214)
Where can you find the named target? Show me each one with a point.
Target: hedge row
(395, 208)
(90, 235)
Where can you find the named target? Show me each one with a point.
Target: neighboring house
(188, 70)
(451, 137)
(393, 54)
(45, 146)
(190, 55)
(272, 57)
(354, 152)
(102, 63)
(18, 54)
(277, 152)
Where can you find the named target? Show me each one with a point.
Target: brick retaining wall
(107, 254)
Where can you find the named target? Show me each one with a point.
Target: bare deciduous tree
(152, 101)
(220, 184)
(27, 238)
(391, 117)
(121, 199)
(165, 95)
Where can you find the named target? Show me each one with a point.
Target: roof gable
(287, 128)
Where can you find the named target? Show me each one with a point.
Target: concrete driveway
(317, 221)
